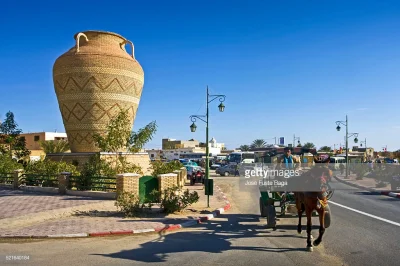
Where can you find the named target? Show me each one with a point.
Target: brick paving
(74, 225)
(17, 205)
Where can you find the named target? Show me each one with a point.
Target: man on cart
(288, 162)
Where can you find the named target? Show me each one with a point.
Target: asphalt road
(240, 237)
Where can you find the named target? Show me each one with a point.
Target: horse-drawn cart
(285, 202)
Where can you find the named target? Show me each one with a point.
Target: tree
(10, 140)
(299, 145)
(325, 148)
(244, 148)
(309, 145)
(119, 137)
(52, 146)
(143, 136)
(258, 143)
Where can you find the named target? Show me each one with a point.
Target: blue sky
(286, 67)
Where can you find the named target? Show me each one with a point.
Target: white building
(174, 154)
(179, 152)
(215, 147)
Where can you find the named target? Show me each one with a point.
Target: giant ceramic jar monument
(94, 81)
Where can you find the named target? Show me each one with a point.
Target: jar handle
(133, 47)
(80, 34)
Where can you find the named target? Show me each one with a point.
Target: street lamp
(193, 128)
(365, 143)
(346, 124)
(294, 140)
(221, 106)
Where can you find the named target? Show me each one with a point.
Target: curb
(171, 227)
(385, 193)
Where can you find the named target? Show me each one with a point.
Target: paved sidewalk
(18, 202)
(28, 214)
(367, 183)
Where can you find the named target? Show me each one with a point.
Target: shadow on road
(215, 237)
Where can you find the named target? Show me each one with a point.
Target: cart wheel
(263, 208)
(271, 214)
(271, 218)
(327, 220)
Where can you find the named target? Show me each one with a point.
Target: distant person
(341, 166)
(237, 170)
(287, 161)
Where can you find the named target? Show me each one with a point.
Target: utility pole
(294, 140)
(346, 124)
(205, 118)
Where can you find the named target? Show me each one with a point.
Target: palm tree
(309, 145)
(258, 143)
(325, 148)
(244, 148)
(52, 146)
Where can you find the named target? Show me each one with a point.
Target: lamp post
(348, 135)
(193, 128)
(294, 140)
(384, 149)
(365, 143)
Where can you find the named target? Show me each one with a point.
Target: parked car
(190, 163)
(215, 166)
(226, 170)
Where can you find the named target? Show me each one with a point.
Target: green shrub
(50, 168)
(360, 169)
(385, 173)
(98, 169)
(175, 200)
(8, 165)
(160, 167)
(129, 204)
(101, 167)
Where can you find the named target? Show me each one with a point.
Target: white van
(336, 161)
(248, 161)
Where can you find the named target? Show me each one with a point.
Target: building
(175, 154)
(172, 149)
(33, 140)
(214, 144)
(368, 153)
(155, 154)
(179, 144)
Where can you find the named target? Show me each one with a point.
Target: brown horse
(314, 200)
(308, 202)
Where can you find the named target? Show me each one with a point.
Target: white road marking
(366, 214)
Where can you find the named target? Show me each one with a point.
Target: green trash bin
(209, 187)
